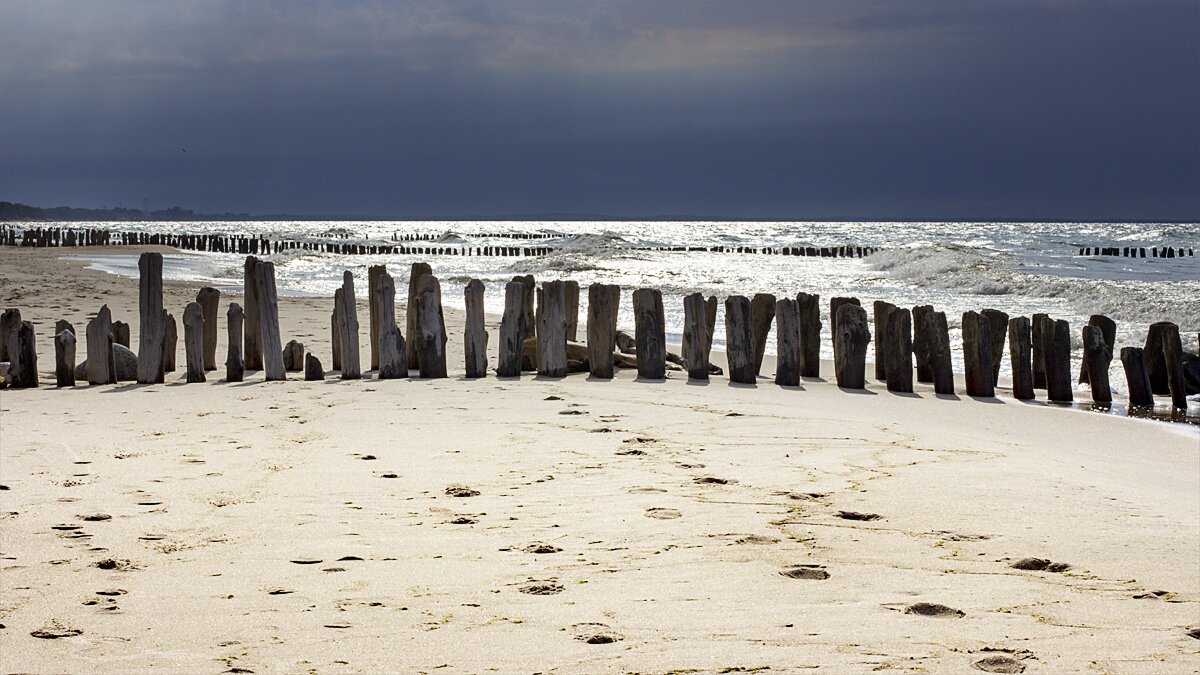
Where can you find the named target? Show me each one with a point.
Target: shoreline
(562, 524)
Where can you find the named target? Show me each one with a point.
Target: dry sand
(619, 526)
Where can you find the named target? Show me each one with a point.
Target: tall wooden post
(1108, 328)
(253, 353)
(209, 298)
(374, 272)
(1058, 363)
(787, 342)
(475, 333)
(603, 303)
(695, 336)
(508, 361)
(898, 355)
(1173, 359)
(193, 341)
(552, 331)
(762, 312)
(101, 364)
(431, 328)
(23, 352)
(64, 359)
(834, 305)
(1040, 328)
(650, 334)
(809, 315)
(151, 330)
(571, 290)
(921, 342)
(739, 339)
(850, 345)
(881, 311)
(977, 354)
(235, 365)
(1156, 364)
(1134, 361)
(1020, 353)
(939, 353)
(348, 330)
(170, 340)
(410, 310)
(1096, 360)
(997, 330)
(270, 341)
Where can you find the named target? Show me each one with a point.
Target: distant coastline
(14, 212)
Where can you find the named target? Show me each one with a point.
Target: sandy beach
(571, 525)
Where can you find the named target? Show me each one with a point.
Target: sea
(1019, 268)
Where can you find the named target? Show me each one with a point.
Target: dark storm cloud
(892, 109)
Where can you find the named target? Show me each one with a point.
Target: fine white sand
(301, 526)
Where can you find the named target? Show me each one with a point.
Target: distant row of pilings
(406, 244)
(1136, 251)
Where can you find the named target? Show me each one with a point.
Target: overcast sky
(890, 109)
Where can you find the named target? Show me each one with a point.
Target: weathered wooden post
(419, 269)
(939, 353)
(809, 309)
(151, 329)
(710, 320)
(921, 342)
(63, 324)
(650, 334)
(1041, 326)
(881, 310)
(170, 338)
(1020, 353)
(101, 363)
(898, 354)
(997, 330)
(571, 289)
(268, 322)
(1156, 364)
(1173, 359)
(431, 328)
(392, 362)
(603, 303)
(121, 333)
(253, 352)
(209, 298)
(834, 305)
(475, 333)
(850, 345)
(1134, 361)
(787, 342)
(552, 331)
(23, 355)
(348, 329)
(1096, 361)
(695, 327)
(374, 272)
(10, 322)
(762, 312)
(193, 341)
(1108, 328)
(977, 354)
(293, 357)
(235, 365)
(528, 306)
(739, 339)
(508, 360)
(1058, 362)
(335, 334)
(312, 367)
(64, 359)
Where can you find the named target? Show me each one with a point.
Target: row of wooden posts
(1136, 251)
(544, 321)
(259, 245)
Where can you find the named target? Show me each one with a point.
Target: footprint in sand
(810, 572)
(55, 630)
(1040, 565)
(94, 517)
(541, 588)
(540, 547)
(461, 491)
(595, 633)
(645, 491)
(1154, 595)
(306, 561)
(933, 609)
(463, 520)
(631, 451)
(662, 513)
(1001, 660)
(119, 564)
(713, 480)
(756, 539)
(1194, 633)
(855, 515)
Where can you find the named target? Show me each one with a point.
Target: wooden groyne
(1137, 251)
(407, 244)
(535, 335)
